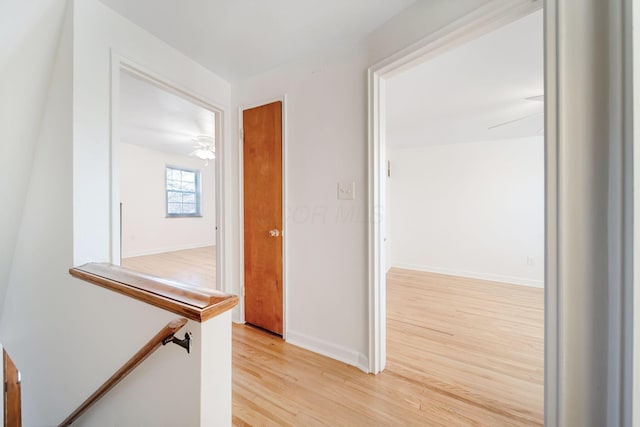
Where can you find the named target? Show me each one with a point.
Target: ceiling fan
(205, 148)
(537, 98)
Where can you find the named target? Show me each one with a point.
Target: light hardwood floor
(195, 267)
(460, 352)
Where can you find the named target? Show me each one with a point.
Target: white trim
(630, 322)
(222, 203)
(481, 21)
(635, 339)
(168, 249)
(551, 294)
(486, 18)
(510, 280)
(238, 315)
(331, 350)
(114, 181)
(240, 318)
(120, 62)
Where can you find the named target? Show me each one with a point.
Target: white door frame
(481, 21)
(589, 315)
(284, 234)
(473, 25)
(635, 155)
(119, 63)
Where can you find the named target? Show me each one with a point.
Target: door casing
(473, 25)
(119, 63)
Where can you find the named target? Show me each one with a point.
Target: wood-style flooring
(195, 267)
(460, 352)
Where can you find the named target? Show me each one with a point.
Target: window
(183, 192)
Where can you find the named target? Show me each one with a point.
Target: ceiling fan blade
(515, 120)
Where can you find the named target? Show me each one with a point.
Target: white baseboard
(236, 316)
(512, 280)
(363, 363)
(167, 249)
(331, 350)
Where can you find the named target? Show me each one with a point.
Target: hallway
(459, 352)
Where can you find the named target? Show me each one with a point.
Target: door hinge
(243, 291)
(388, 168)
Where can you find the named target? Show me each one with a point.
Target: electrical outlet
(346, 190)
(530, 261)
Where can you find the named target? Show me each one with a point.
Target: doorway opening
(460, 167)
(166, 181)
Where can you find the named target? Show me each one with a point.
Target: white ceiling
(155, 118)
(458, 95)
(240, 38)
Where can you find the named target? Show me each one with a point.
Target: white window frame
(197, 192)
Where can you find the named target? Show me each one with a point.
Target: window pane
(173, 197)
(181, 192)
(188, 186)
(189, 208)
(188, 176)
(174, 208)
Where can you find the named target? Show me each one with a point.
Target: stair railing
(164, 336)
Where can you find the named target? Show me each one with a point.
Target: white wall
(326, 142)
(67, 336)
(145, 226)
(30, 318)
(472, 210)
(98, 34)
(29, 35)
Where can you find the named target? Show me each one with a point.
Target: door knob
(274, 233)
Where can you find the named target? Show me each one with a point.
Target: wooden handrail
(167, 332)
(198, 304)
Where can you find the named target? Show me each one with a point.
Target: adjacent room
(465, 225)
(167, 182)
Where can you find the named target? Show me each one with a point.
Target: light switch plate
(346, 190)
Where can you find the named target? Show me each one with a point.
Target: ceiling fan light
(205, 154)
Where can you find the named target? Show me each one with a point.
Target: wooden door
(262, 151)
(12, 395)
